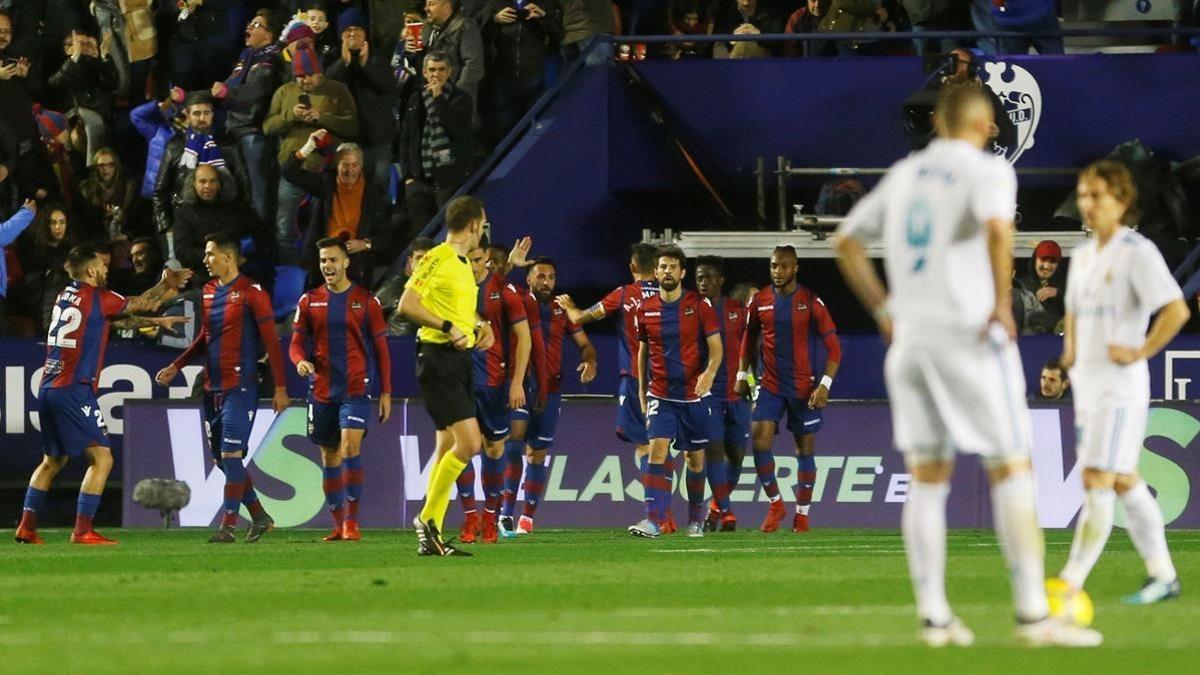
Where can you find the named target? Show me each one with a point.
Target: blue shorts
(491, 409)
(685, 423)
(631, 423)
(71, 420)
(729, 422)
(539, 435)
(228, 418)
(802, 420)
(326, 420)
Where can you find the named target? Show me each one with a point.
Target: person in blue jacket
(9, 231)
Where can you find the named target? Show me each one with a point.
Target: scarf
(200, 149)
(249, 59)
(435, 144)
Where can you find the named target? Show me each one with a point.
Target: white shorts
(1111, 414)
(966, 394)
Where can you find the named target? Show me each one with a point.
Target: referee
(440, 298)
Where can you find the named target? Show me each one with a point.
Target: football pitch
(555, 601)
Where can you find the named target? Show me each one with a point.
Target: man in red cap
(1048, 285)
(306, 104)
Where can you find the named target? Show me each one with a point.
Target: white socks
(1148, 532)
(1014, 515)
(1091, 533)
(923, 523)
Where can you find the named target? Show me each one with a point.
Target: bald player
(945, 218)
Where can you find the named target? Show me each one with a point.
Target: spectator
(53, 236)
(450, 32)
(202, 44)
(298, 108)
(849, 16)
(111, 20)
(437, 141)
(26, 165)
(88, 78)
(583, 20)
(690, 17)
(981, 19)
(806, 20)
(387, 24)
(746, 17)
(108, 201)
(350, 206)
(296, 35)
(62, 174)
(1028, 16)
(1046, 281)
(198, 144)
(325, 41)
(368, 76)
(144, 272)
(157, 122)
(518, 42)
(9, 231)
(208, 204)
(393, 286)
(1054, 384)
(930, 15)
(246, 97)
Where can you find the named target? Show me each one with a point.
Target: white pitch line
(864, 548)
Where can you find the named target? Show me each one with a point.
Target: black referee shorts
(445, 375)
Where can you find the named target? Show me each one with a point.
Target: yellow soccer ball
(1074, 606)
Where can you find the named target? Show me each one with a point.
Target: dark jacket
(372, 223)
(194, 220)
(374, 88)
(517, 51)
(17, 95)
(1043, 316)
(88, 83)
(462, 41)
(169, 185)
(455, 109)
(255, 77)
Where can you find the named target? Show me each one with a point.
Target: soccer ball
(1073, 606)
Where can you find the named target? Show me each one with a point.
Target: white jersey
(930, 212)
(1112, 292)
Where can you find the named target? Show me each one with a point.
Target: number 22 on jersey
(63, 322)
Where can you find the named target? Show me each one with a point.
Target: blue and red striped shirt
(731, 317)
(555, 326)
(79, 334)
(500, 305)
(236, 325)
(347, 338)
(675, 334)
(625, 300)
(536, 373)
(787, 325)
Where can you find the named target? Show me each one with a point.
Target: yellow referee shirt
(447, 288)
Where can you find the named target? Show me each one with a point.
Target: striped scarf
(435, 144)
(200, 149)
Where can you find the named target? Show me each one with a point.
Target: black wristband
(446, 326)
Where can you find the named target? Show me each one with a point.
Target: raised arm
(166, 288)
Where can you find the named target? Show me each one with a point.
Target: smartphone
(305, 100)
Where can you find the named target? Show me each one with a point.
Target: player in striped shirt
(541, 423)
(679, 353)
(730, 418)
(237, 324)
(339, 342)
(623, 302)
(499, 389)
(786, 317)
(71, 421)
(500, 261)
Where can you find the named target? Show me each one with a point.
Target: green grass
(557, 601)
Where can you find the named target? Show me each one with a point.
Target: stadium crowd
(144, 126)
